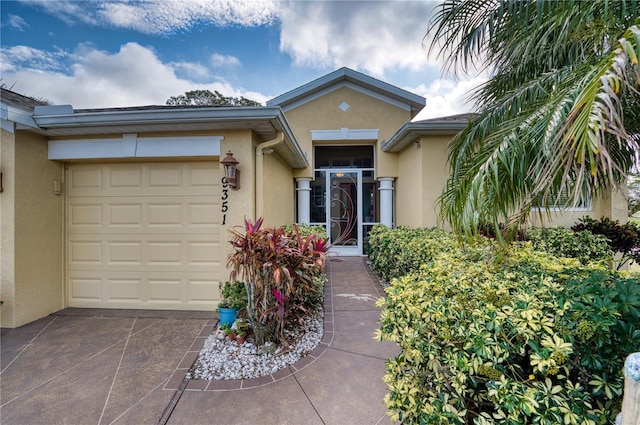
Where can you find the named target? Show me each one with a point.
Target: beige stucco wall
(408, 188)
(37, 233)
(241, 201)
(436, 171)
(278, 190)
(422, 175)
(364, 112)
(613, 206)
(7, 234)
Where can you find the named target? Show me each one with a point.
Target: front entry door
(345, 196)
(344, 215)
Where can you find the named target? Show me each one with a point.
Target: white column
(303, 191)
(386, 201)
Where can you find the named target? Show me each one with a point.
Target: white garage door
(144, 235)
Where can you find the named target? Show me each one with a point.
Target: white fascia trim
(352, 86)
(151, 116)
(132, 146)
(345, 134)
(17, 116)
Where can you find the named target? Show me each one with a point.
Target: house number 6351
(225, 196)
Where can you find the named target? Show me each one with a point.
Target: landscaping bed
(222, 358)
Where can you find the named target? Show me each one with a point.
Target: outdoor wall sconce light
(231, 172)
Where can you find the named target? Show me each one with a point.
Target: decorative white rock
(225, 359)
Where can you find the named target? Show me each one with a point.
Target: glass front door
(343, 213)
(345, 202)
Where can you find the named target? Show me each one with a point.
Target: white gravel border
(221, 358)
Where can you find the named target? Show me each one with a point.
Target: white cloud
(447, 97)
(162, 16)
(133, 76)
(372, 36)
(191, 70)
(17, 22)
(68, 11)
(376, 37)
(16, 57)
(223, 61)
(381, 38)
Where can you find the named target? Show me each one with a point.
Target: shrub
(306, 230)
(233, 295)
(402, 250)
(623, 238)
(282, 274)
(581, 245)
(529, 339)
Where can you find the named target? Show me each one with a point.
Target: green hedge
(528, 339)
(402, 250)
(584, 245)
(307, 229)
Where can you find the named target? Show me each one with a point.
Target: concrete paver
(91, 366)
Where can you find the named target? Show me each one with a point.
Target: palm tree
(559, 119)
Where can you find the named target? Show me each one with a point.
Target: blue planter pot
(227, 315)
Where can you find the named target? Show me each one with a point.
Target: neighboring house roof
(17, 108)
(18, 100)
(353, 79)
(63, 120)
(413, 130)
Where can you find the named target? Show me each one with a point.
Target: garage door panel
(165, 214)
(124, 290)
(85, 252)
(144, 235)
(155, 290)
(204, 215)
(85, 179)
(202, 177)
(148, 178)
(165, 176)
(149, 214)
(84, 289)
(121, 253)
(126, 215)
(144, 249)
(195, 250)
(124, 176)
(86, 215)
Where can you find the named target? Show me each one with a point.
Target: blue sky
(96, 53)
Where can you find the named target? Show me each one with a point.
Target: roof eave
(148, 116)
(63, 116)
(411, 131)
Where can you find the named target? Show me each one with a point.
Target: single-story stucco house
(128, 208)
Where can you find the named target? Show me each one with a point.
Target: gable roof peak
(347, 76)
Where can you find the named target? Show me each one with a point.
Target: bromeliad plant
(282, 273)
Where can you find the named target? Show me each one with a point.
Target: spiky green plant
(560, 114)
